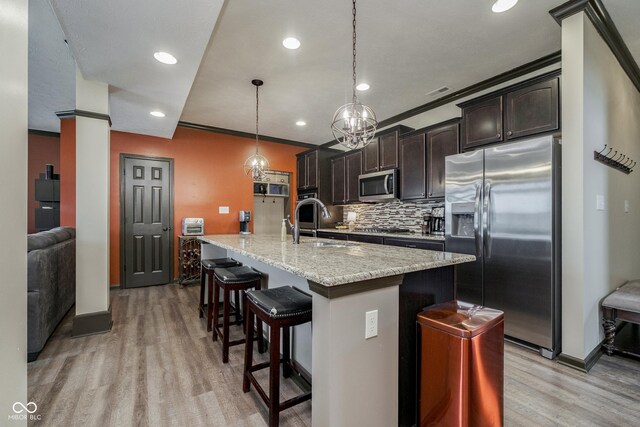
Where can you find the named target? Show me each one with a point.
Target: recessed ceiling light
(503, 5)
(157, 114)
(291, 43)
(363, 86)
(165, 58)
(301, 123)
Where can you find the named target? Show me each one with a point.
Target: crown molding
(598, 15)
(68, 114)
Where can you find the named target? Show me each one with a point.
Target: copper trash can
(461, 365)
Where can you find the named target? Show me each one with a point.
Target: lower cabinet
(415, 243)
(366, 238)
(330, 235)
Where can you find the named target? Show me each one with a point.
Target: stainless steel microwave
(378, 186)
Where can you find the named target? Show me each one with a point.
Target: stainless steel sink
(331, 244)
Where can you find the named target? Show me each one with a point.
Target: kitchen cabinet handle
(509, 133)
(498, 135)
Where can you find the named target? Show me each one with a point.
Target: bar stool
(282, 307)
(206, 272)
(234, 279)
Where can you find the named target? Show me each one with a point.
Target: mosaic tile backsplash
(394, 214)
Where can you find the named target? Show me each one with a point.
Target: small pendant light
(256, 165)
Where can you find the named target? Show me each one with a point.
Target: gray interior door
(147, 222)
(518, 268)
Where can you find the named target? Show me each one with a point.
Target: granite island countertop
(333, 266)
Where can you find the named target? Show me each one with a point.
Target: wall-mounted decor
(616, 160)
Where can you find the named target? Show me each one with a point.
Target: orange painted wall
(68, 172)
(207, 174)
(42, 150)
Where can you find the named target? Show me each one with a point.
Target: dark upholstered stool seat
(281, 302)
(206, 272)
(280, 308)
(227, 280)
(240, 274)
(219, 263)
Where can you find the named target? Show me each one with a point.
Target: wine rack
(188, 259)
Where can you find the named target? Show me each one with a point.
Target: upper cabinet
(533, 109)
(422, 155)
(383, 152)
(526, 109)
(482, 123)
(345, 170)
(442, 141)
(314, 172)
(413, 174)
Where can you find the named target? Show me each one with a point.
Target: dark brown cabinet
(307, 166)
(345, 170)
(533, 109)
(353, 170)
(338, 191)
(415, 243)
(301, 171)
(526, 109)
(330, 235)
(482, 123)
(364, 238)
(442, 141)
(383, 152)
(370, 161)
(413, 174)
(314, 173)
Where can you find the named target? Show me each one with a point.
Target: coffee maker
(245, 219)
(437, 221)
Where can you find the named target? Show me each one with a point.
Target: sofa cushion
(40, 241)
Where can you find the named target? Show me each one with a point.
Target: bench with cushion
(621, 304)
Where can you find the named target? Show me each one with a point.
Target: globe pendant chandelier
(354, 124)
(256, 165)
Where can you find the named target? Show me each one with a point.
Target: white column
(92, 207)
(13, 192)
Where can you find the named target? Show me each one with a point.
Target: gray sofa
(51, 283)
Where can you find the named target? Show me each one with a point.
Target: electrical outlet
(371, 324)
(223, 209)
(626, 206)
(600, 204)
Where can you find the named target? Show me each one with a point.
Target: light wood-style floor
(158, 367)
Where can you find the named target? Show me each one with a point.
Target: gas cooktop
(383, 230)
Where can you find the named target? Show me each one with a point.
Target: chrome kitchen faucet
(295, 227)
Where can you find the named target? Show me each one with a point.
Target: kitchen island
(355, 380)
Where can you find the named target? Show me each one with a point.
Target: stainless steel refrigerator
(502, 204)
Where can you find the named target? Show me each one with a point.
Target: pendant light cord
(257, 103)
(354, 52)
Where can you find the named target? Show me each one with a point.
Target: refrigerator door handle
(487, 224)
(476, 221)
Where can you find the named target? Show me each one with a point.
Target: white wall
(600, 106)
(13, 173)
(92, 198)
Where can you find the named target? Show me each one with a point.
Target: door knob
(165, 228)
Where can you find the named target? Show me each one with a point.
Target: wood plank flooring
(159, 367)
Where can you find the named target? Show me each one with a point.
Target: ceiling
(405, 50)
